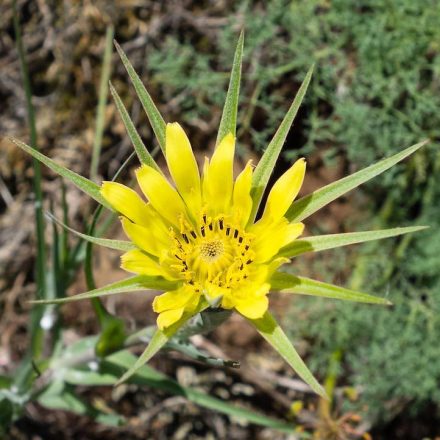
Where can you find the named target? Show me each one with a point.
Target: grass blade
(85, 185)
(119, 245)
(307, 205)
(286, 283)
(156, 120)
(133, 284)
(332, 241)
(158, 340)
(102, 102)
(228, 122)
(142, 152)
(36, 330)
(267, 162)
(274, 335)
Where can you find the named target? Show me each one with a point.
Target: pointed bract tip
(323, 394)
(42, 301)
(13, 140)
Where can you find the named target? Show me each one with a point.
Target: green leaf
(112, 336)
(274, 335)
(60, 396)
(85, 185)
(267, 162)
(119, 245)
(156, 120)
(307, 205)
(332, 241)
(141, 150)
(158, 340)
(111, 367)
(228, 122)
(286, 283)
(133, 284)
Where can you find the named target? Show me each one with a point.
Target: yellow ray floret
(196, 232)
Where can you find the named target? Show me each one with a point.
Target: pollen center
(211, 250)
(213, 255)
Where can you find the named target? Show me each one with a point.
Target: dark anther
(210, 227)
(248, 261)
(220, 223)
(204, 218)
(193, 234)
(240, 240)
(235, 233)
(202, 230)
(185, 238)
(177, 257)
(242, 266)
(228, 230)
(247, 247)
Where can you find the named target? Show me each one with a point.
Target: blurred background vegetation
(376, 90)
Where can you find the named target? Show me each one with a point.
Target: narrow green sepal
(287, 283)
(156, 120)
(267, 162)
(85, 185)
(134, 284)
(268, 327)
(158, 340)
(119, 245)
(308, 205)
(332, 241)
(140, 148)
(228, 122)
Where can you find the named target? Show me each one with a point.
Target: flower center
(211, 250)
(212, 256)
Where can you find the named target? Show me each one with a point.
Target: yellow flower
(200, 234)
(198, 239)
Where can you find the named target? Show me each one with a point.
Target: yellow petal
(162, 196)
(241, 199)
(284, 191)
(136, 261)
(126, 201)
(174, 299)
(269, 238)
(168, 318)
(275, 264)
(218, 180)
(294, 230)
(152, 239)
(254, 308)
(183, 166)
